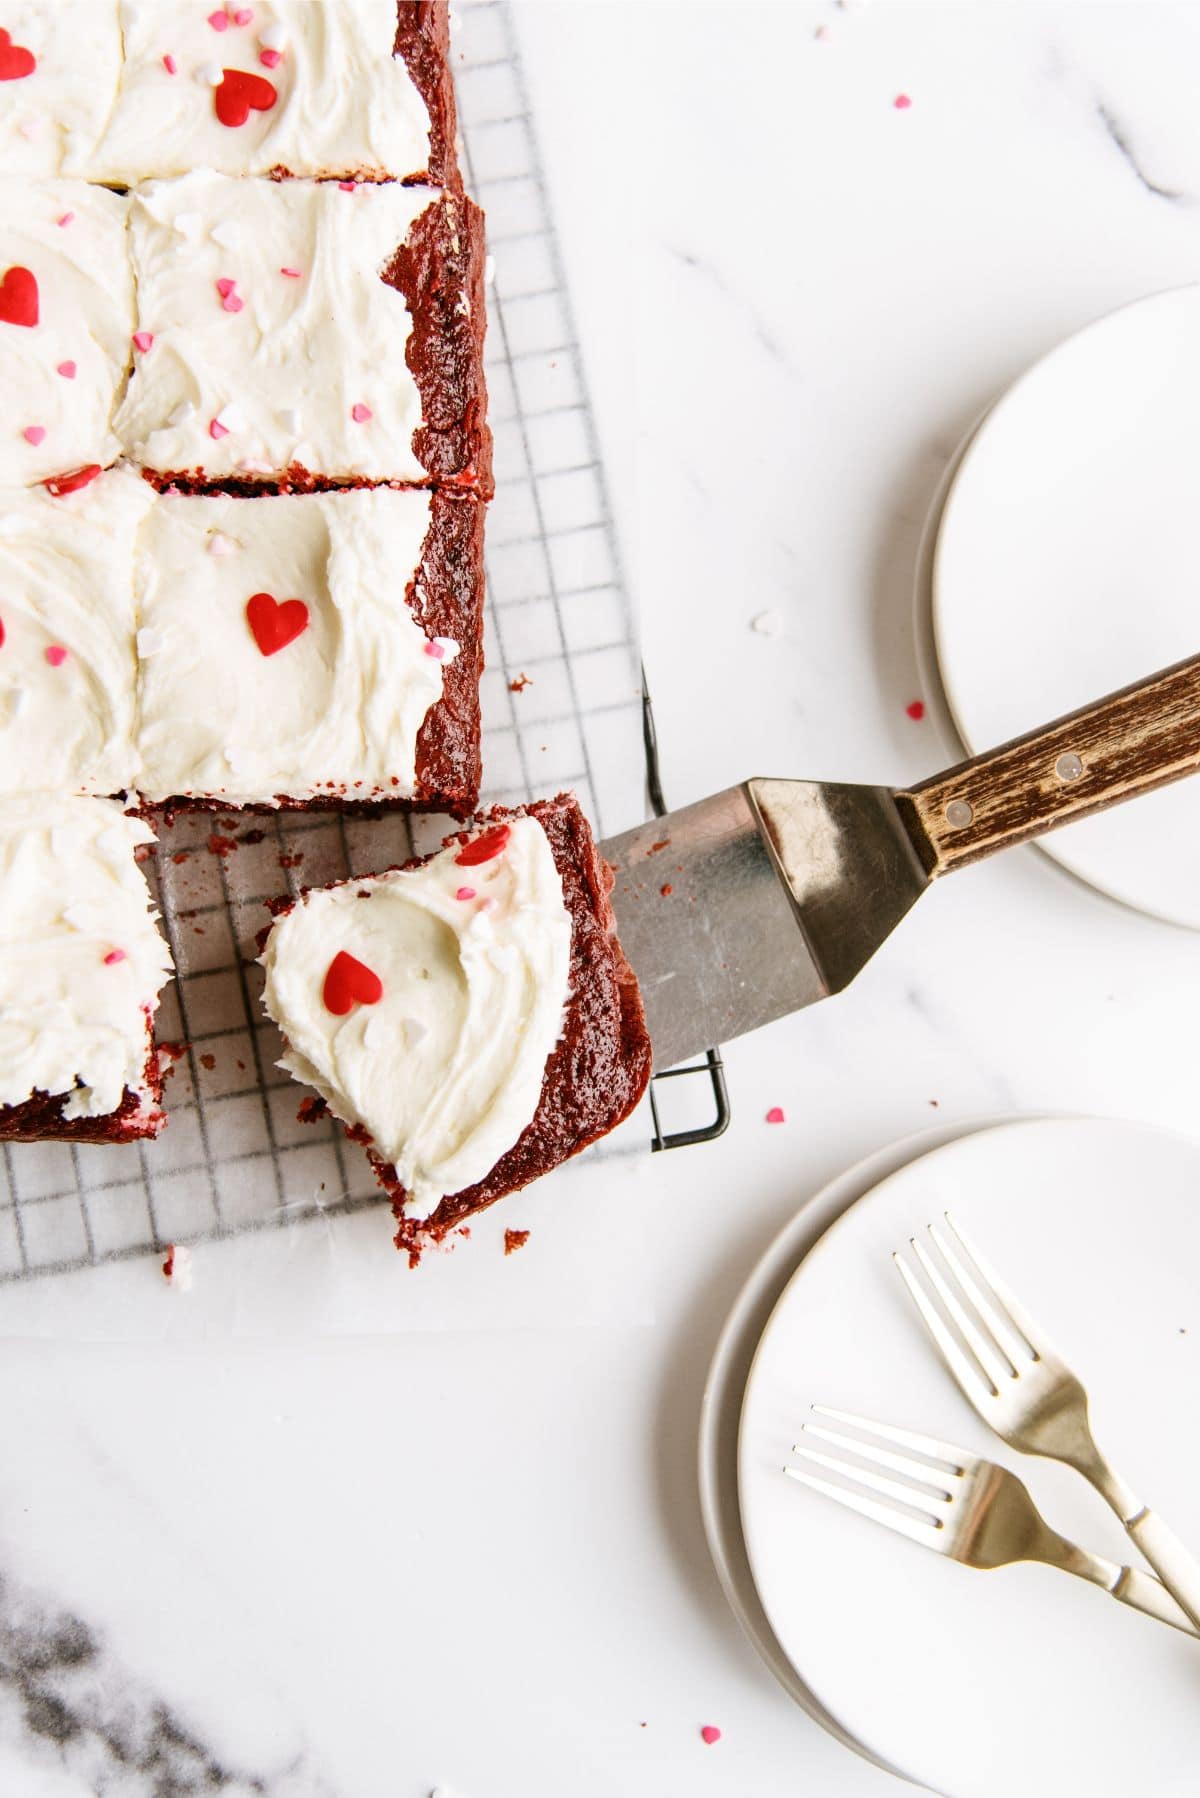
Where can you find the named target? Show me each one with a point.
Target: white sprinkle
(210, 74)
(183, 412)
(489, 271)
(76, 916)
(273, 38)
(187, 223)
(254, 465)
(414, 1032)
(289, 418)
(180, 1276)
(232, 417)
(375, 1033)
(219, 545)
(226, 234)
(150, 642)
(767, 624)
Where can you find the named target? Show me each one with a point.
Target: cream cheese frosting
(277, 653)
(68, 669)
(81, 963)
(272, 343)
(444, 1068)
(327, 96)
(66, 316)
(59, 65)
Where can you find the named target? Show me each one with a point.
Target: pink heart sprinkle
(113, 957)
(232, 303)
(710, 1734)
(34, 434)
(217, 430)
(66, 219)
(243, 16)
(56, 655)
(143, 340)
(775, 1115)
(435, 649)
(293, 274)
(902, 102)
(360, 413)
(347, 187)
(67, 370)
(219, 21)
(465, 893)
(270, 59)
(170, 65)
(225, 286)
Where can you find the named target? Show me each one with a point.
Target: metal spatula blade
(775, 893)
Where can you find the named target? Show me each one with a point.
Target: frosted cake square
(60, 61)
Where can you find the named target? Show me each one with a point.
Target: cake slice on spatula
(470, 1017)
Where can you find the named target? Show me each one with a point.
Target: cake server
(775, 893)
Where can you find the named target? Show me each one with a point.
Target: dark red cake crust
(423, 40)
(446, 597)
(601, 1065)
(439, 271)
(40, 1117)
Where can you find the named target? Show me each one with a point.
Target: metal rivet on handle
(1068, 767)
(959, 813)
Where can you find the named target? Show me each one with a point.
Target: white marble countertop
(366, 1568)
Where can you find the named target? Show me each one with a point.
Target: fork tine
(929, 1535)
(984, 1300)
(969, 1376)
(961, 1460)
(918, 1471)
(1003, 1298)
(996, 1366)
(899, 1492)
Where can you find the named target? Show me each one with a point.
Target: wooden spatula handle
(1137, 739)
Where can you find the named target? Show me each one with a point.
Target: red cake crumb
(181, 855)
(666, 890)
(168, 1265)
(209, 1062)
(519, 685)
(514, 1240)
(291, 861)
(311, 1111)
(657, 848)
(221, 846)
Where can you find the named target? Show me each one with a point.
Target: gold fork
(958, 1504)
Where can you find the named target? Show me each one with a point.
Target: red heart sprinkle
(275, 625)
(34, 434)
(484, 848)
(239, 92)
(225, 286)
(143, 340)
(348, 983)
(916, 710)
(67, 370)
(15, 61)
(347, 187)
(60, 484)
(19, 297)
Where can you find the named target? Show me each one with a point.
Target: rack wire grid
(564, 705)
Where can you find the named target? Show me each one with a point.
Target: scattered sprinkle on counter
(776, 1115)
(915, 709)
(514, 1240)
(710, 1734)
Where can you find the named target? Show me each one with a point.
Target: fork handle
(1142, 1592)
(1172, 1562)
(1140, 738)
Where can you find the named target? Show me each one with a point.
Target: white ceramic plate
(982, 1685)
(721, 1406)
(1068, 564)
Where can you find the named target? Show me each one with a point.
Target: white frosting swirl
(345, 105)
(81, 963)
(67, 667)
(287, 371)
(50, 120)
(445, 1070)
(84, 322)
(338, 706)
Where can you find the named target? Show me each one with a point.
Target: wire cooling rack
(564, 705)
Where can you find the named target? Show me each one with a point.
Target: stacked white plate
(1062, 561)
(977, 1685)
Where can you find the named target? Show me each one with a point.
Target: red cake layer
(423, 40)
(40, 1117)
